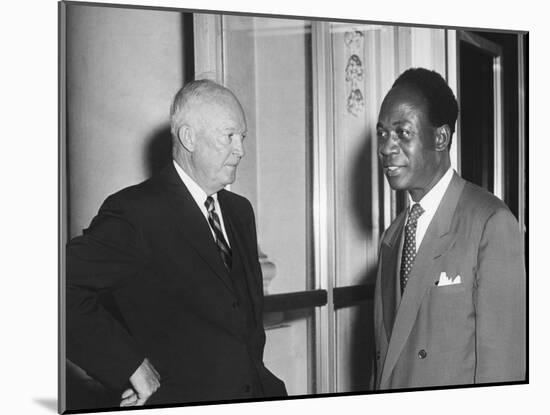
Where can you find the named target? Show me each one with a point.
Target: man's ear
(442, 138)
(186, 136)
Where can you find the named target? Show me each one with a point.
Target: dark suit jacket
(146, 280)
(472, 332)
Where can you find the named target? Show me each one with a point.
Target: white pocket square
(444, 280)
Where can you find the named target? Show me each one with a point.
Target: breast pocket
(447, 290)
(448, 302)
(447, 311)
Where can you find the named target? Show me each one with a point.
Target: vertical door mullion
(208, 46)
(323, 206)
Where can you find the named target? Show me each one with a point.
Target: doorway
(491, 125)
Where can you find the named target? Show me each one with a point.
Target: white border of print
(28, 305)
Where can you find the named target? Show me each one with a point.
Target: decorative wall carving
(354, 71)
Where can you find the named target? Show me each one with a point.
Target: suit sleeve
(256, 260)
(99, 262)
(500, 302)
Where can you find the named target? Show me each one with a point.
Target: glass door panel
(267, 63)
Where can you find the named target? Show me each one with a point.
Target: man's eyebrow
(401, 123)
(393, 124)
(231, 130)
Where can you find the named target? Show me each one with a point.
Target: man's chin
(396, 183)
(229, 179)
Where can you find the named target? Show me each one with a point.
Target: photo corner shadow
(49, 403)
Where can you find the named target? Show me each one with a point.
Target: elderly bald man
(164, 289)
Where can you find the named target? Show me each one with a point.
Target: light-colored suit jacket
(462, 333)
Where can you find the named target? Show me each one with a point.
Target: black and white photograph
(266, 207)
(261, 209)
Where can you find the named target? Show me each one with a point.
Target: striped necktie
(214, 221)
(409, 247)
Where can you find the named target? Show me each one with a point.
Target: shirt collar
(196, 191)
(431, 200)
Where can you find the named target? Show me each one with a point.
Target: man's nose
(238, 146)
(388, 146)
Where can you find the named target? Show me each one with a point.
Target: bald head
(208, 127)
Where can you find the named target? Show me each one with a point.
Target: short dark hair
(441, 103)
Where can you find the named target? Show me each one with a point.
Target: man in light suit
(450, 288)
(164, 289)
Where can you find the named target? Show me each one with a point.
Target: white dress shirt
(430, 202)
(200, 196)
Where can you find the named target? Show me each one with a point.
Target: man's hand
(145, 381)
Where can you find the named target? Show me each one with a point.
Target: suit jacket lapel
(389, 254)
(238, 239)
(194, 227)
(436, 241)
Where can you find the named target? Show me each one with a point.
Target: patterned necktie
(409, 247)
(214, 221)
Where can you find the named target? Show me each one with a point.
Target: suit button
(235, 305)
(377, 355)
(422, 354)
(247, 388)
